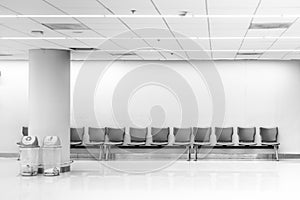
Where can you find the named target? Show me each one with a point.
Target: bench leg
(107, 151)
(101, 152)
(196, 153)
(189, 152)
(276, 152)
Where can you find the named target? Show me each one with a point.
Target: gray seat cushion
(224, 135)
(202, 135)
(160, 135)
(76, 134)
(96, 135)
(246, 134)
(115, 135)
(138, 135)
(182, 135)
(268, 134)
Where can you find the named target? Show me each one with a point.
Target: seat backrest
(96, 134)
(160, 134)
(224, 134)
(202, 134)
(77, 134)
(268, 134)
(115, 134)
(182, 134)
(246, 134)
(25, 131)
(138, 134)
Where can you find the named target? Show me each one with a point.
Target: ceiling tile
(142, 7)
(80, 7)
(188, 27)
(150, 55)
(31, 7)
(192, 6)
(226, 44)
(232, 7)
(229, 27)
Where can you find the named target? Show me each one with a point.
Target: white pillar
(49, 96)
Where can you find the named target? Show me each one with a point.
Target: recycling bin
(51, 156)
(29, 156)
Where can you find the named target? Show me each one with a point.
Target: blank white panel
(131, 44)
(189, 44)
(76, 7)
(109, 45)
(149, 55)
(168, 7)
(224, 54)
(188, 27)
(164, 44)
(31, 7)
(229, 27)
(199, 55)
(140, 23)
(226, 44)
(264, 32)
(256, 44)
(43, 44)
(142, 7)
(232, 6)
(154, 33)
(286, 44)
(273, 55)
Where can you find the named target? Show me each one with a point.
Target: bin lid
(29, 141)
(51, 141)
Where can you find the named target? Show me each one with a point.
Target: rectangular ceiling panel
(142, 7)
(30, 7)
(188, 27)
(167, 7)
(232, 7)
(80, 7)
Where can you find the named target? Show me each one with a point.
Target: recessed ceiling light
(83, 49)
(59, 26)
(269, 25)
(37, 32)
(5, 54)
(123, 54)
(249, 53)
(133, 11)
(183, 13)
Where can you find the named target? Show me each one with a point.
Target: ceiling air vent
(249, 53)
(269, 25)
(83, 49)
(59, 26)
(4, 55)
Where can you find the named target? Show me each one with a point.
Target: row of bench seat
(195, 138)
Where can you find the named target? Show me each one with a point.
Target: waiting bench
(183, 139)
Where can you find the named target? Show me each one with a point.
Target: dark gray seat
(269, 136)
(246, 136)
(76, 136)
(96, 136)
(115, 136)
(160, 136)
(182, 136)
(224, 136)
(138, 136)
(202, 135)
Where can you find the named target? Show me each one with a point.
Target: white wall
(257, 93)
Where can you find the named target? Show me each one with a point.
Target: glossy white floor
(179, 180)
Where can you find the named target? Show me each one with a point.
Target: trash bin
(29, 156)
(51, 153)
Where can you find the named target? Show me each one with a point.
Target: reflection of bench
(262, 147)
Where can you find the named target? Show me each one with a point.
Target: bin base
(63, 169)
